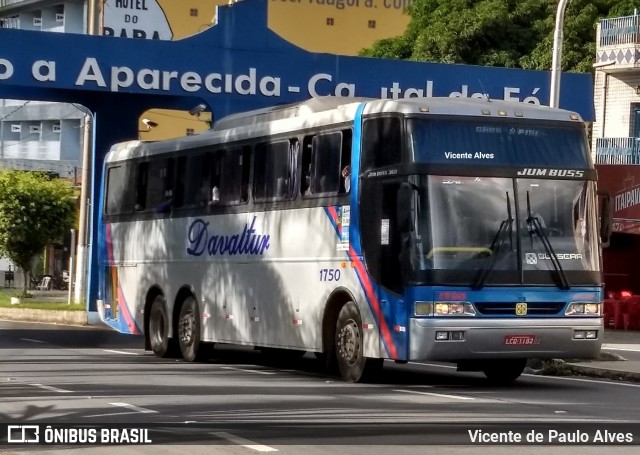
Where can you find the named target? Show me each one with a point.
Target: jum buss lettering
(201, 241)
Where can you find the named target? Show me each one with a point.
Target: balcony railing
(620, 30)
(618, 150)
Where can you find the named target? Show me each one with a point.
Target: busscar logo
(548, 172)
(23, 434)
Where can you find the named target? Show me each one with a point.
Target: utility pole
(556, 63)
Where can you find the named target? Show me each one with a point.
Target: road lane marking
(135, 408)
(248, 371)
(442, 395)
(594, 381)
(31, 340)
(50, 388)
(243, 442)
(110, 414)
(114, 351)
(619, 347)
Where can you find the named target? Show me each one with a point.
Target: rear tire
(189, 330)
(349, 349)
(504, 372)
(159, 341)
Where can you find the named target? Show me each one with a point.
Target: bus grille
(509, 308)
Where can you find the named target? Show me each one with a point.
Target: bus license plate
(521, 340)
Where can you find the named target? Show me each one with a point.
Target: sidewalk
(620, 359)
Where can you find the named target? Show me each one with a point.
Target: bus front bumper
(504, 338)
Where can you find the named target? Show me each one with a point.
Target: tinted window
(117, 198)
(381, 142)
(235, 176)
(274, 170)
(326, 164)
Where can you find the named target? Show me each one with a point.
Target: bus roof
(334, 111)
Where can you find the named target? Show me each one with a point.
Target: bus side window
(117, 198)
(273, 171)
(193, 181)
(178, 193)
(307, 169)
(381, 143)
(326, 163)
(233, 185)
(159, 185)
(345, 162)
(141, 186)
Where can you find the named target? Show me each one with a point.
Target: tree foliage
(35, 211)
(506, 33)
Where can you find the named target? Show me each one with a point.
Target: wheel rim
(349, 342)
(187, 328)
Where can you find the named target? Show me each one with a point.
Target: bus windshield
(491, 230)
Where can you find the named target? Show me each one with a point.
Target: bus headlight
(584, 309)
(423, 308)
(454, 309)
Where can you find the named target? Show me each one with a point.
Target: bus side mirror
(606, 218)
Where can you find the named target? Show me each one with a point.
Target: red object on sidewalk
(607, 312)
(613, 313)
(631, 315)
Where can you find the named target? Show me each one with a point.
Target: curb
(44, 316)
(558, 367)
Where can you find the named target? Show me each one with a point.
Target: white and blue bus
(459, 230)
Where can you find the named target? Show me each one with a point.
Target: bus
(361, 230)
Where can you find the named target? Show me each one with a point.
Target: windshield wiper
(535, 227)
(506, 227)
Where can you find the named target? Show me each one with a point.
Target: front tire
(349, 348)
(504, 372)
(189, 330)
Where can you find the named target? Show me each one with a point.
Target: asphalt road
(238, 402)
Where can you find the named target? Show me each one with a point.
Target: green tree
(506, 33)
(35, 211)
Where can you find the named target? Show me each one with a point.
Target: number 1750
(329, 274)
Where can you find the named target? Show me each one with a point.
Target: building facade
(616, 144)
(39, 135)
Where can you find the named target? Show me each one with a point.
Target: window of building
(330, 21)
(34, 129)
(190, 131)
(194, 12)
(372, 24)
(16, 128)
(56, 128)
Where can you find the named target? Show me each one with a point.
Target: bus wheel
(189, 330)
(504, 372)
(352, 363)
(159, 328)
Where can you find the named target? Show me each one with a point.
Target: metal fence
(618, 150)
(620, 30)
